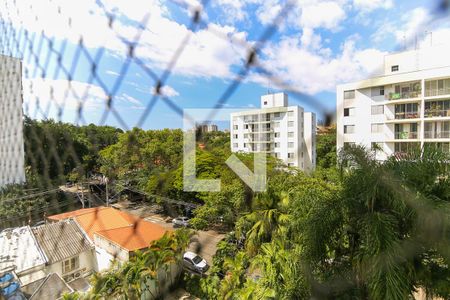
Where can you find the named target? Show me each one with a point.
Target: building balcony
(436, 113)
(404, 95)
(437, 92)
(407, 115)
(437, 135)
(405, 135)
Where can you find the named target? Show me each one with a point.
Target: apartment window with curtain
(349, 94)
(290, 134)
(377, 128)
(377, 109)
(349, 111)
(348, 129)
(290, 145)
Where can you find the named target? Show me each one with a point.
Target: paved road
(203, 242)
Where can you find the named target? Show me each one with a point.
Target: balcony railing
(430, 113)
(404, 95)
(407, 115)
(437, 135)
(404, 135)
(437, 92)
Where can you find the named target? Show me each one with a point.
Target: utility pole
(106, 188)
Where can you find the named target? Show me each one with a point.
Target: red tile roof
(128, 231)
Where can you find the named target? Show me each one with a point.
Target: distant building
(11, 122)
(286, 132)
(115, 234)
(406, 108)
(206, 127)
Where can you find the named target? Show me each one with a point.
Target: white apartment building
(11, 122)
(286, 132)
(405, 108)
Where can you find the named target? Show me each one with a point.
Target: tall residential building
(11, 122)
(405, 108)
(286, 132)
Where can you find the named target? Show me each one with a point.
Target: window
(394, 68)
(276, 155)
(349, 129)
(70, 265)
(276, 115)
(245, 135)
(235, 127)
(291, 124)
(235, 136)
(378, 127)
(277, 145)
(290, 164)
(290, 134)
(290, 113)
(246, 126)
(277, 134)
(265, 102)
(235, 145)
(291, 155)
(350, 111)
(302, 154)
(377, 109)
(290, 145)
(277, 124)
(349, 94)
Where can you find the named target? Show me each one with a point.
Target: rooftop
(50, 287)
(134, 237)
(62, 240)
(19, 248)
(128, 231)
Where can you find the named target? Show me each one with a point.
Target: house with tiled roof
(115, 234)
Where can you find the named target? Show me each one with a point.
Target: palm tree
(269, 216)
(388, 208)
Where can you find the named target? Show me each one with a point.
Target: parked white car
(181, 222)
(194, 262)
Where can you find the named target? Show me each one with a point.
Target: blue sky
(317, 45)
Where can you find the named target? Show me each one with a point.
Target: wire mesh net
(57, 71)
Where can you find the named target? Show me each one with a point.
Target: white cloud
(313, 71)
(206, 55)
(113, 73)
(168, 91)
(370, 5)
(130, 99)
(44, 97)
(328, 15)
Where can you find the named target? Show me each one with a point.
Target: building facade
(286, 132)
(406, 108)
(11, 122)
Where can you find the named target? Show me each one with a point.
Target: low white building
(69, 252)
(20, 251)
(286, 132)
(407, 107)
